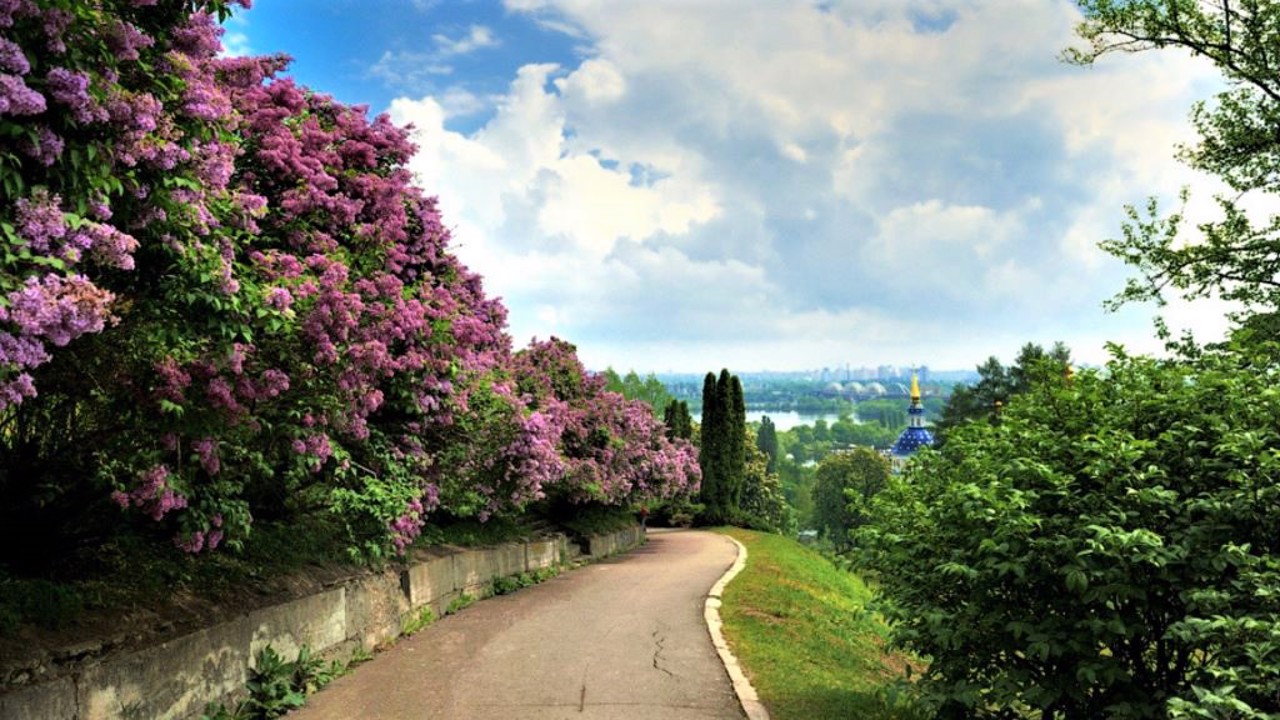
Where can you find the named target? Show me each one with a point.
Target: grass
(800, 627)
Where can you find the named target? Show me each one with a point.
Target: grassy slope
(798, 626)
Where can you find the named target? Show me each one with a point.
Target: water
(787, 419)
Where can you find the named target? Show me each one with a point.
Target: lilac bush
(222, 298)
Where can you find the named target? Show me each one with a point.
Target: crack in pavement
(659, 642)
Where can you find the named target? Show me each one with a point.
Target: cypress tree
(709, 451)
(767, 442)
(736, 470)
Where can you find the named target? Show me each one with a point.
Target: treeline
(223, 302)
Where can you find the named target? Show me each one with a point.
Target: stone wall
(176, 679)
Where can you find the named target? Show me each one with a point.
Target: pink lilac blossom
(207, 450)
(58, 309)
(152, 494)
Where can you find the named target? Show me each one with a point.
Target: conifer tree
(767, 442)
(676, 418)
(736, 464)
(710, 452)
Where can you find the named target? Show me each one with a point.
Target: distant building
(916, 435)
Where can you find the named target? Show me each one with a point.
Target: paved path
(623, 638)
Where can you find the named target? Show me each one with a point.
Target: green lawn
(800, 629)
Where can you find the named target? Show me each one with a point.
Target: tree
(997, 384)
(650, 389)
(1110, 549)
(841, 477)
(710, 453)
(677, 419)
(736, 443)
(764, 504)
(767, 442)
(722, 456)
(1236, 256)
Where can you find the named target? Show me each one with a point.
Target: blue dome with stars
(916, 435)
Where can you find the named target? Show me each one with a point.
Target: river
(787, 419)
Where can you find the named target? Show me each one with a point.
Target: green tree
(997, 384)
(1236, 257)
(722, 456)
(632, 387)
(711, 454)
(677, 419)
(764, 503)
(842, 478)
(737, 441)
(767, 442)
(1110, 549)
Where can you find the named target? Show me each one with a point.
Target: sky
(685, 185)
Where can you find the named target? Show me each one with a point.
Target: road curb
(747, 696)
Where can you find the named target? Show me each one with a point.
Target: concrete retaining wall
(176, 679)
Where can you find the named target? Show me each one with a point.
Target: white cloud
(477, 37)
(235, 38)
(778, 185)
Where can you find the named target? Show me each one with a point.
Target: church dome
(911, 440)
(916, 435)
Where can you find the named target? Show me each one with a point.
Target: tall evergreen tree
(767, 442)
(736, 464)
(710, 452)
(678, 421)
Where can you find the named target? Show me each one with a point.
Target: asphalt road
(623, 638)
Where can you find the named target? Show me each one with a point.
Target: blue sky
(677, 185)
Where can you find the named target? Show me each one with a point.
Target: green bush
(1110, 549)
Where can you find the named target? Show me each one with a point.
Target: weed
(413, 624)
(461, 602)
(276, 686)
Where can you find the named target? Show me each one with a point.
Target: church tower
(916, 435)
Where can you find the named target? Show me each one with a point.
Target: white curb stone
(747, 696)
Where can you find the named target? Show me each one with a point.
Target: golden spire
(915, 387)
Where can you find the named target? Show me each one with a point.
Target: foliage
(37, 601)
(1235, 256)
(1108, 550)
(613, 450)
(599, 519)
(416, 623)
(997, 384)
(763, 505)
(678, 421)
(277, 686)
(845, 482)
(767, 442)
(511, 583)
(462, 602)
(650, 390)
(802, 630)
(721, 455)
(223, 301)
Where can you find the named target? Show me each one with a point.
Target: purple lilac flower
(47, 148)
(40, 220)
(71, 88)
(12, 59)
(18, 99)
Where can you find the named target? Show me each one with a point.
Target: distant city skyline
(674, 186)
